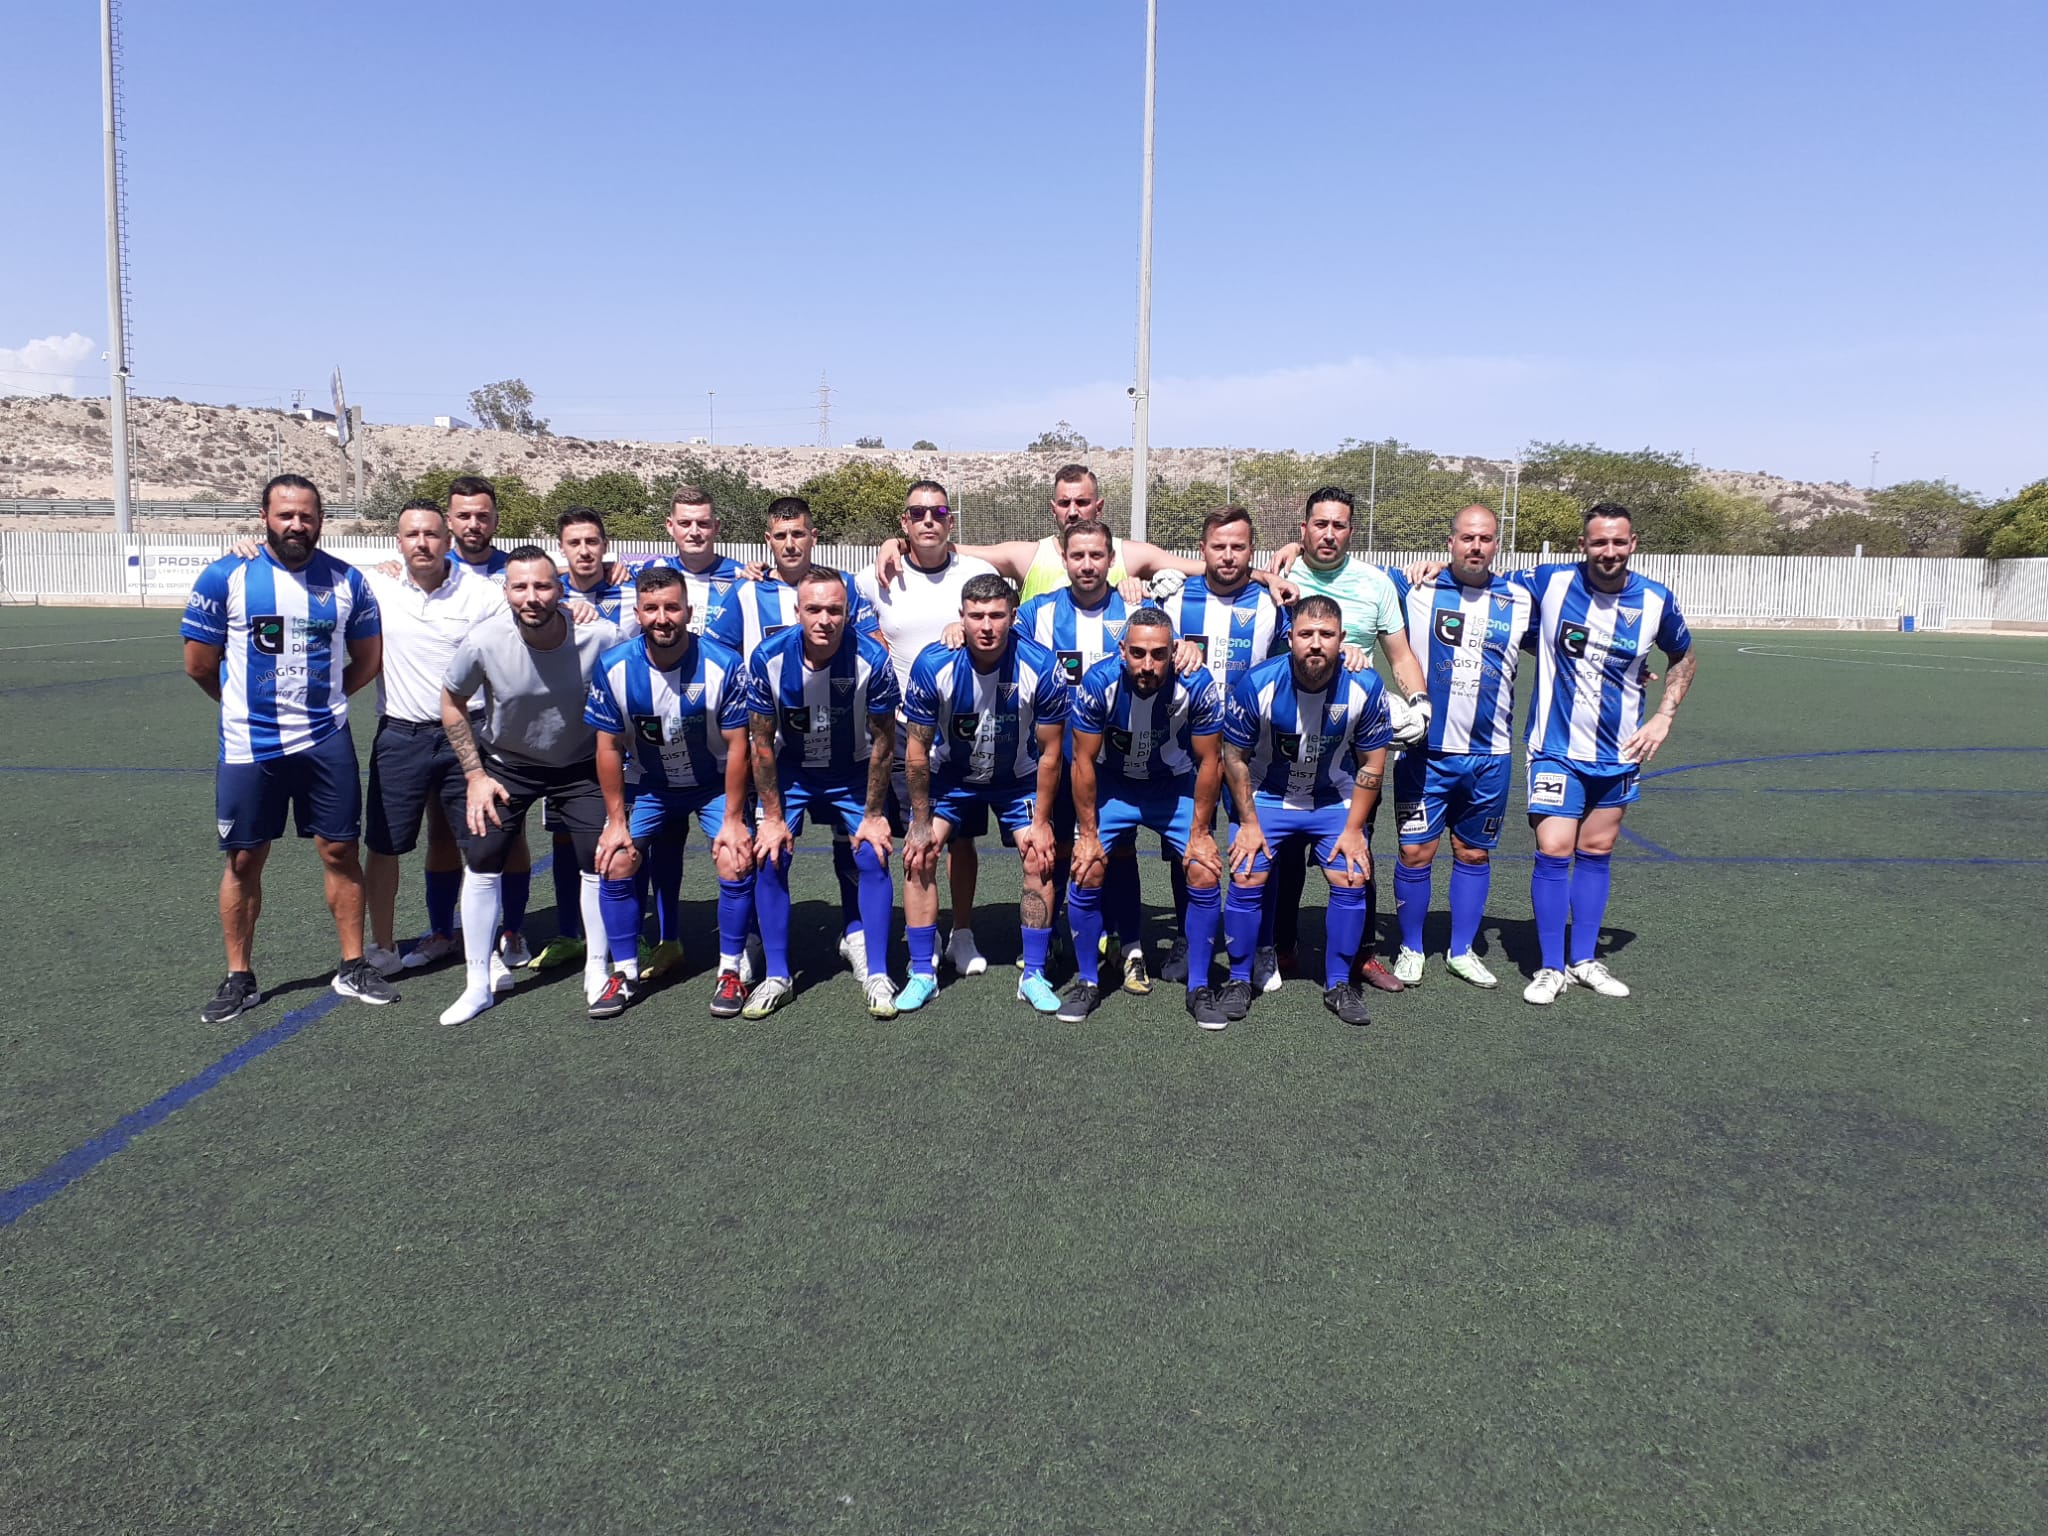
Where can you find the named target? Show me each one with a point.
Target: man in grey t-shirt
(533, 667)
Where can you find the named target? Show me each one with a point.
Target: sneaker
(916, 992)
(661, 959)
(1235, 999)
(1266, 970)
(1368, 971)
(467, 1007)
(1408, 967)
(753, 960)
(770, 995)
(1595, 977)
(1467, 967)
(853, 949)
(1546, 989)
(1137, 980)
(386, 962)
(961, 954)
(501, 974)
(1034, 989)
(513, 947)
(1082, 999)
(881, 995)
(433, 948)
(233, 998)
(361, 980)
(1206, 1011)
(616, 997)
(559, 951)
(1176, 967)
(729, 996)
(1348, 1003)
(595, 979)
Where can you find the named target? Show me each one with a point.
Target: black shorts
(573, 800)
(410, 764)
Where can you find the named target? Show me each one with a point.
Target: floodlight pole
(1372, 496)
(1142, 391)
(117, 321)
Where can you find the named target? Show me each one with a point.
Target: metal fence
(1760, 589)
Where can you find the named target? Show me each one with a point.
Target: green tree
(742, 502)
(507, 406)
(520, 513)
(1658, 489)
(1930, 513)
(856, 503)
(924, 445)
(618, 496)
(1014, 507)
(1059, 438)
(1173, 514)
(2022, 530)
(1840, 533)
(1405, 499)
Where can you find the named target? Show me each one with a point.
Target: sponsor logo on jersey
(1571, 639)
(967, 726)
(797, 721)
(1070, 667)
(1119, 740)
(1201, 640)
(1448, 625)
(266, 632)
(1414, 818)
(649, 727)
(1546, 789)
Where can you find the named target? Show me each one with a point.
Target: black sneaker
(1082, 999)
(614, 1000)
(1348, 1003)
(1205, 1010)
(1235, 999)
(362, 981)
(235, 996)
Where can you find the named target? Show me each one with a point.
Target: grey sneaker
(359, 979)
(770, 994)
(233, 998)
(1467, 967)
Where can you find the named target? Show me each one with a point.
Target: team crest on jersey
(1334, 717)
(649, 727)
(1448, 625)
(1113, 630)
(226, 825)
(266, 633)
(693, 693)
(1241, 618)
(1628, 618)
(1571, 639)
(1007, 695)
(843, 685)
(322, 597)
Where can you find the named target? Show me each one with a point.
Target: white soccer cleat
(1595, 977)
(430, 949)
(1408, 967)
(1176, 967)
(1547, 987)
(1468, 967)
(466, 1007)
(1266, 975)
(881, 997)
(853, 949)
(771, 994)
(513, 946)
(385, 962)
(961, 954)
(502, 979)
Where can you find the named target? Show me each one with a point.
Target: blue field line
(1642, 842)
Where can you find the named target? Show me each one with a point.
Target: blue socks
(1590, 877)
(1345, 925)
(1547, 894)
(1468, 902)
(735, 916)
(877, 903)
(1205, 915)
(569, 896)
(1241, 911)
(1037, 941)
(621, 920)
(1411, 903)
(924, 945)
(771, 905)
(444, 890)
(1084, 921)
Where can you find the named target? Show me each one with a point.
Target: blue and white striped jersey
(672, 719)
(1236, 632)
(821, 715)
(985, 724)
(613, 600)
(1145, 738)
(754, 610)
(708, 588)
(1469, 642)
(1302, 745)
(1077, 637)
(284, 636)
(1590, 650)
(491, 567)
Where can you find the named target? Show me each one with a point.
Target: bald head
(1475, 538)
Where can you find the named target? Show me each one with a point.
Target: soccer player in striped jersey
(1595, 623)
(1146, 753)
(591, 575)
(280, 642)
(983, 726)
(1469, 624)
(675, 706)
(821, 702)
(1304, 753)
(473, 526)
(693, 524)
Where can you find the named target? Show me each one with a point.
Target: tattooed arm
(1351, 846)
(918, 850)
(1250, 841)
(772, 839)
(1643, 745)
(874, 823)
(484, 791)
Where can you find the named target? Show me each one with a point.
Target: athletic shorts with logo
(320, 787)
(1467, 791)
(1560, 787)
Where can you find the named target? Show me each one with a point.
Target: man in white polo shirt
(427, 609)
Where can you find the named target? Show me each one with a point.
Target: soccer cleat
(916, 992)
(1034, 989)
(1137, 980)
(770, 995)
(595, 979)
(385, 962)
(1467, 967)
(1547, 987)
(1176, 967)
(360, 980)
(434, 947)
(1595, 977)
(1348, 1003)
(615, 998)
(729, 996)
(1408, 967)
(753, 960)
(232, 998)
(513, 947)
(467, 1007)
(1206, 1011)
(881, 996)
(961, 954)
(1367, 971)
(1082, 999)
(661, 959)
(558, 951)
(501, 974)
(1235, 999)
(1266, 970)
(853, 949)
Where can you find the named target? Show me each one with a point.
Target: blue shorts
(1560, 787)
(1467, 790)
(319, 786)
(658, 812)
(965, 806)
(846, 803)
(1122, 808)
(1322, 826)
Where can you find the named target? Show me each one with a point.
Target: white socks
(595, 948)
(480, 909)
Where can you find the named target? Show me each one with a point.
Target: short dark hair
(1081, 525)
(473, 485)
(818, 575)
(571, 516)
(924, 485)
(1148, 617)
(423, 504)
(690, 496)
(783, 508)
(655, 577)
(526, 552)
(1315, 605)
(1223, 517)
(1608, 509)
(291, 483)
(987, 588)
(1070, 474)
(1323, 493)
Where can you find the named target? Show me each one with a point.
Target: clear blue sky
(1774, 236)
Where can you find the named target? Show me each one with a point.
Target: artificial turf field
(1760, 1249)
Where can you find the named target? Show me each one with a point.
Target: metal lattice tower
(824, 413)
